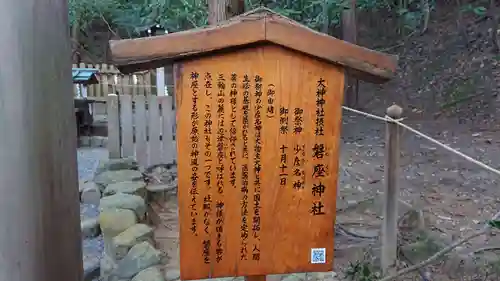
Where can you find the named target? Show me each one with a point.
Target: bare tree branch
(441, 253)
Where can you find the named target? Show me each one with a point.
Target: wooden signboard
(258, 126)
(258, 134)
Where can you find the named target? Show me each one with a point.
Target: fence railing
(112, 81)
(142, 127)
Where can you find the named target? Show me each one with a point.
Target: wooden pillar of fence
(391, 193)
(112, 81)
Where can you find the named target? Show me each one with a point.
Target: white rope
(365, 114)
(455, 244)
(398, 121)
(466, 157)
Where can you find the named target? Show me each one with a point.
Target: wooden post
(349, 34)
(40, 238)
(391, 192)
(160, 78)
(160, 81)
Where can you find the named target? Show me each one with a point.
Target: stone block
(125, 201)
(134, 235)
(128, 187)
(90, 193)
(84, 141)
(108, 177)
(115, 221)
(140, 257)
(97, 141)
(149, 274)
(117, 164)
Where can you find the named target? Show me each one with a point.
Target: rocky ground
(117, 242)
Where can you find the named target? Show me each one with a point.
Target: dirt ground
(456, 197)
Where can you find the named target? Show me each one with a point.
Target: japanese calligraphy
(219, 228)
(195, 137)
(319, 170)
(298, 167)
(319, 151)
(283, 166)
(220, 134)
(232, 131)
(207, 131)
(320, 111)
(318, 189)
(317, 208)
(298, 120)
(271, 93)
(244, 169)
(257, 165)
(283, 120)
(206, 251)
(207, 207)
(207, 200)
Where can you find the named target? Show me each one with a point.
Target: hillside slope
(441, 73)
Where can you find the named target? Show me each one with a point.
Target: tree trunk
(217, 11)
(221, 10)
(326, 18)
(460, 24)
(75, 37)
(39, 207)
(237, 7)
(495, 21)
(426, 14)
(349, 34)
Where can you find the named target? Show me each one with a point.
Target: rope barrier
(449, 248)
(369, 115)
(398, 121)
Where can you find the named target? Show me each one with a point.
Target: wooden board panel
(167, 133)
(141, 145)
(258, 134)
(113, 127)
(126, 122)
(154, 130)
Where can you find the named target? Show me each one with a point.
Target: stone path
(88, 160)
(92, 247)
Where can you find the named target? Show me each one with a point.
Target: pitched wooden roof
(257, 26)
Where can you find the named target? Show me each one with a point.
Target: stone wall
(92, 141)
(118, 191)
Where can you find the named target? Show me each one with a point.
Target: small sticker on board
(318, 255)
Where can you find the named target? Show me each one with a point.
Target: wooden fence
(142, 127)
(112, 81)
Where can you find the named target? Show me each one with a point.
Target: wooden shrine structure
(258, 123)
